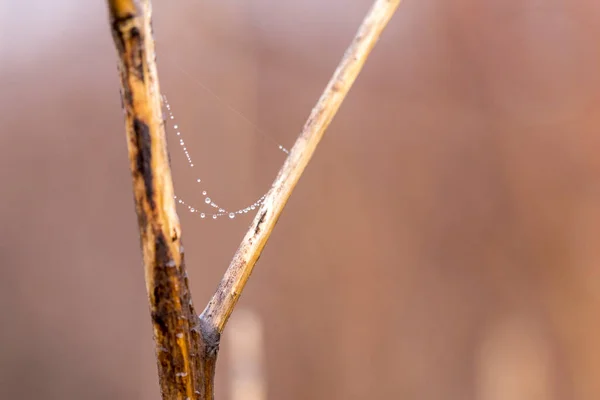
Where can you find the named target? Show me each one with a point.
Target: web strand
(231, 108)
(215, 211)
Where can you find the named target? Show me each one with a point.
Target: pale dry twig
(187, 346)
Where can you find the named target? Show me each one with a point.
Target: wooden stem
(186, 345)
(229, 290)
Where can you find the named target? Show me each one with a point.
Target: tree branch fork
(187, 344)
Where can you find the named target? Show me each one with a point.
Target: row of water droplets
(217, 211)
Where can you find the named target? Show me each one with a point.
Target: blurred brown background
(442, 244)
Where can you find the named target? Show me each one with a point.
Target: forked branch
(187, 346)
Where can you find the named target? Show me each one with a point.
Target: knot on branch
(211, 337)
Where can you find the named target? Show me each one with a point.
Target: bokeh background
(442, 244)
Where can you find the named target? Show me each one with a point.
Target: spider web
(209, 207)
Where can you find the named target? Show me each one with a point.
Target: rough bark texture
(178, 333)
(187, 345)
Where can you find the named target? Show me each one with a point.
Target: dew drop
(218, 211)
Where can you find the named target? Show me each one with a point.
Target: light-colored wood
(222, 303)
(187, 346)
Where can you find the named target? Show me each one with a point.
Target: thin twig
(187, 346)
(229, 290)
(181, 345)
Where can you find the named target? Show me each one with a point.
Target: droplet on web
(207, 200)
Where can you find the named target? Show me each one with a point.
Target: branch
(186, 345)
(183, 347)
(229, 290)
